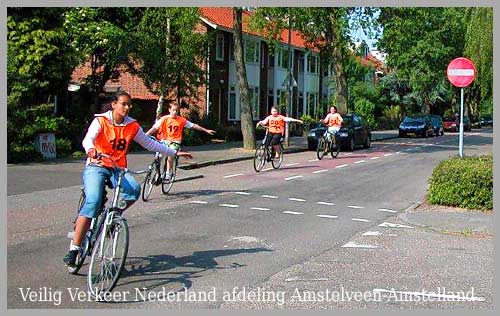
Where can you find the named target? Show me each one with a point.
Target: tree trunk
(340, 80)
(247, 127)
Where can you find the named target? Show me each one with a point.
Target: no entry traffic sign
(461, 72)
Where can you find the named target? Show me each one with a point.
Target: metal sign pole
(461, 136)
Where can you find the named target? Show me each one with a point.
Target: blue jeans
(93, 177)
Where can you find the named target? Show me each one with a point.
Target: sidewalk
(213, 154)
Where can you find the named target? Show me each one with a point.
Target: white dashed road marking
(355, 206)
(327, 216)
(229, 205)
(267, 169)
(270, 196)
(361, 220)
(325, 203)
(391, 225)
(198, 202)
(233, 175)
(313, 160)
(387, 155)
(373, 158)
(387, 210)
(293, 213)
(296, 199)
(320, 171)
(342, 166)
(359, 161)
(352, 244)
(291, 164)
(291, 178)
(260, 208)
(242, 193)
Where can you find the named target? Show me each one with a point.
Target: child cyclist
(276, 130)
(170, 132)
(334, 121)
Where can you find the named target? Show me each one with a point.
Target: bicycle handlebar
(125, 170)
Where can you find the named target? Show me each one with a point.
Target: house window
(271, 61)
(252, 51)
(312, 64)
(311, 103)
(219, 48)
(301, 63)
(283, 58)
(254, 102)
(232, 104)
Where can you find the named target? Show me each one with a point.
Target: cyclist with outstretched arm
(276, 128)
(110, 134)
(170, 132)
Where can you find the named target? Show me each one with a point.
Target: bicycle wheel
(259, 158)
(85, 245)
(108, 257)
(167, 185)
(335, 148)
(277, 162)
(149, 182)
(321, 149)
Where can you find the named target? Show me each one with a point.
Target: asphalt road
(228, 229)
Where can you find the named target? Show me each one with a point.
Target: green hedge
(463, 182)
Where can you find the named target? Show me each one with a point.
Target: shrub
(391, 117)
(63, 147)
(463, 182)
(366, 109)
(23, 153)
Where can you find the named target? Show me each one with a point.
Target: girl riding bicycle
(111, 134)
(276, 128)
(334, 121)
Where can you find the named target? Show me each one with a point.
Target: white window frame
(256, 54)
(309, 64)
(281, 53)
(219, 51)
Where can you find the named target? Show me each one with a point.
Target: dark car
(437, 124)
(486, 120)
(416, 125)
(354, 132)
(475, 122)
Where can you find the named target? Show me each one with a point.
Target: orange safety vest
(171, 128)
(113, 141)
(276, 124)
(334, 120)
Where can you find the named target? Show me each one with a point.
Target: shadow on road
(157, 271)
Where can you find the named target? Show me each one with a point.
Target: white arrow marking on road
(233, 175)
(296, 199)
(352, 244)
(229, 205)
(387, 155)
(320, 171)
(373, 158)
(370, 233)
(291, 164)
(242, 193)
(291, 178)
(293, 213)
(270, 196)
(431, 294)
(313, 160)
(392, 225)
(198, 202)
(342, 166)
(387, 210)
(359, 161)
(461, 72)
(355, 206)
(327, 216)
(361, 220)
(325, 203)
(260, 209)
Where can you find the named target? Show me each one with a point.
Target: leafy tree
(420, 42)
(169, 52)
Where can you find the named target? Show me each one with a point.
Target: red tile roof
(126, 81)
(223, 16)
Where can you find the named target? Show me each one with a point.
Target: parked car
(416, 125)
(486, 120)
(354, 132)
(475, 122)
(437, 124)
(450, 124)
